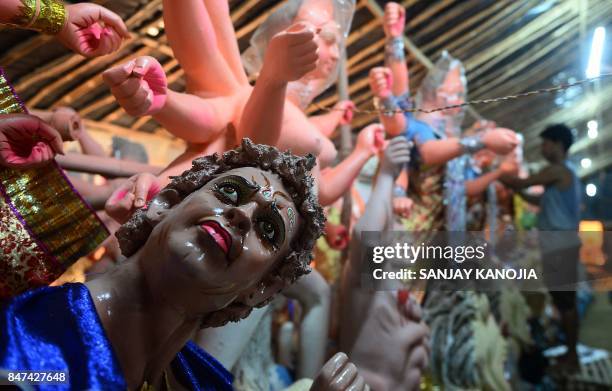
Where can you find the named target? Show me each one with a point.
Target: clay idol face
(319, 16)
(226, 236)
(452, 91)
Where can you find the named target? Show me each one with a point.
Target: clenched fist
(131, 195)
(381, 81)
(290, 55)
(26, 141)
(347, 107)
(140, 86)
(394, 20)
(92, 30)
(371, 139)
(500, 140)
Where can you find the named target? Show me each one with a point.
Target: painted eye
(230, 192)
(267, 229)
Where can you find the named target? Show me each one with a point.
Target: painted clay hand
(394, 20)
(396, 154)
(381, 81)
(347, 107)
(500, 140)
(67, 122)
(131, 195)
(371, 139)
(339, 374)
(402, 206)
(290, 55)
(336, 236)
(140, 86)
(92, 30)
(26, 141)
(396, 357)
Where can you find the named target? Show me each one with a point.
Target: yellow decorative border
(46, 203)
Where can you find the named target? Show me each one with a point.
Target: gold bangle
(51, 18)
(27, 14)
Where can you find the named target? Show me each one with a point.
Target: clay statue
(297, 50)
(384, 338)
(219, 240)
(87, 29)
(26, 141)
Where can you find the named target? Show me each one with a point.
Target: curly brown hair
(294, 172)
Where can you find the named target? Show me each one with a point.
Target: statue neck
(146, 333)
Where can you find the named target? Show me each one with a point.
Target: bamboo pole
(346, 143)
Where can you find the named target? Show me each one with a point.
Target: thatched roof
(507, 46)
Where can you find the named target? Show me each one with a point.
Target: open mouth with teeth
(219, 235)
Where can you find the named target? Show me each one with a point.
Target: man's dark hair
(559, 133)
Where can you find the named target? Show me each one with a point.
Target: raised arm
(140, 87)
(226, 37)
(381, 81)
(341, 114)
(192, 35)
(377, 209)
(290, 55)
(336, 181)
(394, 22)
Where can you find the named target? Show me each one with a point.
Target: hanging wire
(541, 91)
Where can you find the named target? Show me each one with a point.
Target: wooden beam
(531, 31)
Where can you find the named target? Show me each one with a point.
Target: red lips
(219, 234)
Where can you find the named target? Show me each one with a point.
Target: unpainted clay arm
(338, 180)
(226, 37)
(89, 146)
(193, 119)
(326, 123)
(192, 37)
(289, 56)
(227, 343)
(262, 117)
(314, 294)
(440, 151)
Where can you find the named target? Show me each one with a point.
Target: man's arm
(547, 176)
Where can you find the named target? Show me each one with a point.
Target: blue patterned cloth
(58, 329)
(458, 171)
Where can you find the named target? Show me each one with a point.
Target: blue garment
(560, 209)
(58, 329)
(458, 171)
(417, 131)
